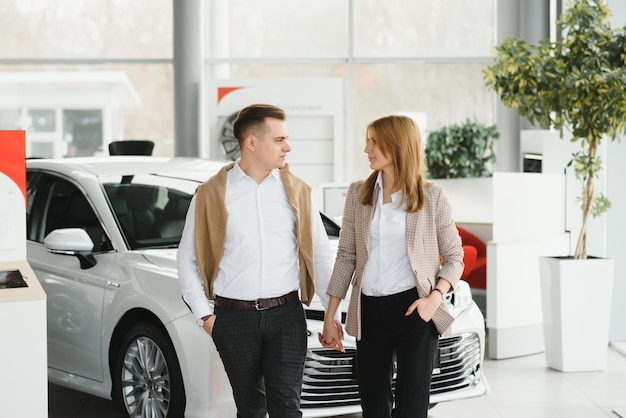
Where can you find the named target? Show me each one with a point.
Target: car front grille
(329, 379)
(330, 375)
(459, 364)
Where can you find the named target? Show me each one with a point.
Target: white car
(102, 235)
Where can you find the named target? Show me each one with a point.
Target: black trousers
(263, 353)
(386, 334)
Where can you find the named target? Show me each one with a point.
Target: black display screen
(11, 279)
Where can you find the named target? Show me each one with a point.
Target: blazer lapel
(411, 231)
(367, 215)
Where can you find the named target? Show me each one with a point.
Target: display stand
(23, 353)
(23, 345)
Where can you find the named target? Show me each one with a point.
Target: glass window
(276, 28)
(261, 70)
(9, 119)
(82, 130)
(445, 93)
(42, 120)
(407, 56)
(41, 150)
(141, 109)
(414, 56)
(86, 29)
(423, 28)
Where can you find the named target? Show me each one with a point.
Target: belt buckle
(257, 305)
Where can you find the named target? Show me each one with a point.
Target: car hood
(164, 258)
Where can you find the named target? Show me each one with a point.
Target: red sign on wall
(13, 157)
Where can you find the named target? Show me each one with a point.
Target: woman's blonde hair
(399, 139)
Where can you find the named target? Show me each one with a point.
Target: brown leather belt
(256, 305)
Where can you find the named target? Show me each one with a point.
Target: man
(252, 240)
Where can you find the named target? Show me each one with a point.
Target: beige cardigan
(210, 228)
(430, 233)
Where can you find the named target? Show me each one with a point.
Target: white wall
(616, 233)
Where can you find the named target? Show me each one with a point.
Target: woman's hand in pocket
(425, 307)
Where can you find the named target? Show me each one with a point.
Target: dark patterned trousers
(263, 353)
(386, 334)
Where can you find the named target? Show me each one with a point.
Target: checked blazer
(433, 247)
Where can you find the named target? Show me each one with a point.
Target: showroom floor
(520, 388)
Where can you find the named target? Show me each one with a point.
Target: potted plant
(461, 150)
(576, 84)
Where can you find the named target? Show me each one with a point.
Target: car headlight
(460, 300)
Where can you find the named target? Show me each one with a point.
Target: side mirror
(72, 241)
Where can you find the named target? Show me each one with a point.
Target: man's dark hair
(253, 118)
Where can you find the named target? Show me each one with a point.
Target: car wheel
(147, 376)
(230, 144)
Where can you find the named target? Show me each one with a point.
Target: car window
(149, 215)
(33, 181)
(58, 204)
(332, 228)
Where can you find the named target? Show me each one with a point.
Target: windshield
(150, 208)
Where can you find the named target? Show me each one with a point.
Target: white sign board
(314, 108)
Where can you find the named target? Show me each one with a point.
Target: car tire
(147, 376)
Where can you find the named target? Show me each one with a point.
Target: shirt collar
(239, 173)
(395, 197)
(275, 173)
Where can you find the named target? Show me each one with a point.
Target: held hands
(426, 307)
(332, 336)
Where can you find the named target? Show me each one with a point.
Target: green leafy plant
(577, 83)
(461, 151)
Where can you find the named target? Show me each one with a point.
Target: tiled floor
(524, 387)
(520, 388)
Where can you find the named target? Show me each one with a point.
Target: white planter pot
(576, 301)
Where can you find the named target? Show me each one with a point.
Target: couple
(254, 249)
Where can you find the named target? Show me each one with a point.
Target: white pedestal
(23, 347)
(514, 299)
(576, 297)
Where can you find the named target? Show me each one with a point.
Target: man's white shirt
(260, 257)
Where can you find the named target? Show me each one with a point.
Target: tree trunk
(589, 189)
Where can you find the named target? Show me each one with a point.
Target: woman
(400, 249)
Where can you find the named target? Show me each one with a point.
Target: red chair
(469, 259)
(475, 259)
